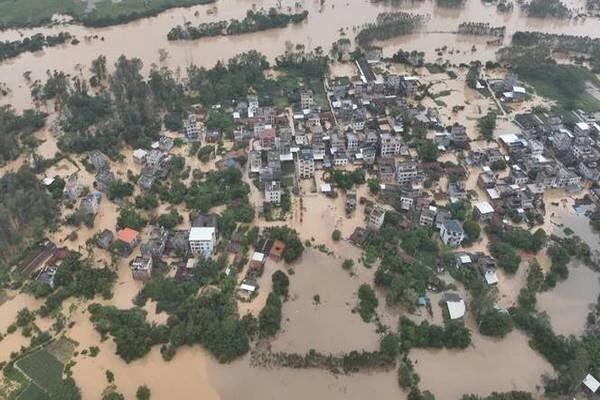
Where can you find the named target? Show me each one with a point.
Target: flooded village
(319, 198)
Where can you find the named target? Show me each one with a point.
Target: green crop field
(33, 392)
(43, 369)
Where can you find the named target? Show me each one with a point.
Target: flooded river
(144, 38)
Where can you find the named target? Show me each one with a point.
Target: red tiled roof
(127, 235)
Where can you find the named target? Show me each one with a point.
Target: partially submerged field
(89, 12)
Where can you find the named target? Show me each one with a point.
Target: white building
(272, 192)
(202, 240)
(452, 233)
(456, 305)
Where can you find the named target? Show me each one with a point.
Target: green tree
(336, 235)
(269, 318)
(142, 393)
(367, 302)
(281, 283)
(487, 125)
(427, 150)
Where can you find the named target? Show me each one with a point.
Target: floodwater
(569, 303)
(144, 38)
(489, 365)
(317, 326)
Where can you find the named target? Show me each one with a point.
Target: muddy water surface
(489, 365)
(143, 38)
(569, 303)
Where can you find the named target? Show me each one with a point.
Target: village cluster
(365, 122)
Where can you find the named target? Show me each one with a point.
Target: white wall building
(202, 240)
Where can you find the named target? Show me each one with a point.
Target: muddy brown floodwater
(569, 303)
(143, 38)
(489, 365)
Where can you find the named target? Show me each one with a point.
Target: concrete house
(306, 164)
(272, 192)
(202, 240)
(483, 211)
(376, 218)
(98, 160)
(127, 239)
(406, 172)
(390, 145)
(141, 268)
(452, 233)
(139, 156)
(307, 99)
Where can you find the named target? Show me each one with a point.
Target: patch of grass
(435, 69)
(451, 74)
(44, 369)
(62, 349)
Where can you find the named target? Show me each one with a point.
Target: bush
(142, 393)
(336, 235)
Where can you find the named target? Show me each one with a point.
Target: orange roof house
(128, 235)
(277, 250)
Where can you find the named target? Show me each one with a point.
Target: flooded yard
(489, 365)
(569, 303)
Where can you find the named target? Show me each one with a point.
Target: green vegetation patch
(44, 369)
(33, 392)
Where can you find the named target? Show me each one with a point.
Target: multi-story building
(202, 240)
(390, 145)
(352, 142)
(273, 192)
(141, 268)
(406, 172)
(255, 161)
(306, 164)
(452, 233)
(340, 158)
(376, 218)
(307, 99)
